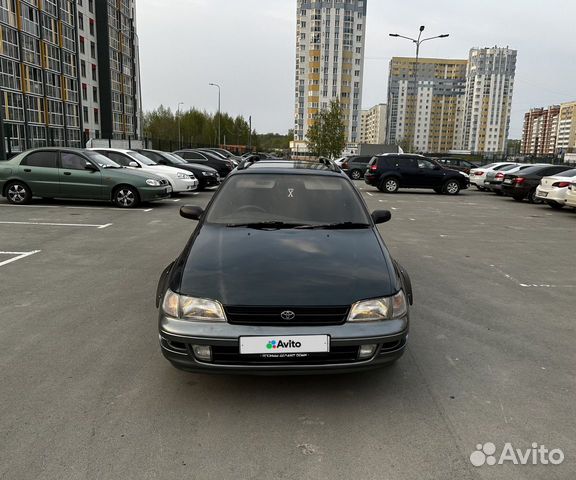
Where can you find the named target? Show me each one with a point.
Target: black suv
(262, 285)
(389, 172)
(355, 166)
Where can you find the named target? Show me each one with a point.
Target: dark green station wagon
(80, 174)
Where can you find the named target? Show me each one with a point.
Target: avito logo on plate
(537, 455)
(277, 345)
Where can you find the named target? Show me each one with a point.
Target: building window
(85, 112)
(83, 68)
(93, 49)
(95, 94)
(81, 21)
(91, 6)
(96, 116)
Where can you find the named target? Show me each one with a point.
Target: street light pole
(418, 41)
(219, 114)
(179, 130)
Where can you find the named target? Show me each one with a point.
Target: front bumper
(177, 338)
(182, 186)
(148, 194)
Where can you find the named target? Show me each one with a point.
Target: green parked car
(76, 173)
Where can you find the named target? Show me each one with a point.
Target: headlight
(183, 176)
(378, 309)
(192, 309)
(153, 183)
(207, 174)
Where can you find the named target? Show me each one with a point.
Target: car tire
(126, 196)
(356, 174)
(389, 185)
(556, 205)
(451, 187)
(532, 198)
(18, 193)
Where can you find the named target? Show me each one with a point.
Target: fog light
(367, 351)
(202, 352)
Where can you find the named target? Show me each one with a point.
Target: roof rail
(248, 161)
(329, 163)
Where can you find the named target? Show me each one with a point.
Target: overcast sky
(248, 46)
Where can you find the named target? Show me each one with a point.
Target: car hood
(165, 170)
(129, 172)
(241, 266)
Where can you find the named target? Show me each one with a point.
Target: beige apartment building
(373, 125)
(539, 135)
(423, 111)
(566, 137)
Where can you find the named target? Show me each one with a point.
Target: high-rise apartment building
(68, 72)
(489, 88)
(373, 125)
(329, 63)
(424, 100)
(39, 73)
(566, 138)
(540, 131)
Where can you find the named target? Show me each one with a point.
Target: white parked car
(554, 190)
(571, 195)
(478, 175)
(181, 180)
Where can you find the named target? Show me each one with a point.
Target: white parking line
(368, 193)
(19, 256)
(81, 208)
(59, 224)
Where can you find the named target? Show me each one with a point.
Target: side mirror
(133, 164)
(381, 216)
(191, 212)
(90, 167)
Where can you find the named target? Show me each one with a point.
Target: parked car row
(124, 177)
(554, 185)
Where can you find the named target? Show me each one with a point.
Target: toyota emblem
(288, 315)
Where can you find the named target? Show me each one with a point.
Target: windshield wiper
(271, 225)
(336, 226)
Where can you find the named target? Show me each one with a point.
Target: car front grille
(272, 316)
(231, 356)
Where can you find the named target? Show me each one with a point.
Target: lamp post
(219, 116)
(418, 41)
(179, 131)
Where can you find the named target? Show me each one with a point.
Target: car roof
(289, 167)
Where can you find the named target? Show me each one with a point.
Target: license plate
(543, 194)
(486, 183)
(508, 181)
(277, 345)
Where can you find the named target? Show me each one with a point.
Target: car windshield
(141, 158)
(173, 158)
(509, 167)
(101, 160)
(567, 173)
(291, 199)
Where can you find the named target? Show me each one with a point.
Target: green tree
(327, 134)
(405, 144)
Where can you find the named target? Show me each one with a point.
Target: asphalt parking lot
(86, 394)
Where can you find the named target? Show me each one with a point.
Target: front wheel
(389, 185)
(451, 187)
(18, 193)
(356, 174)
(126, 197)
